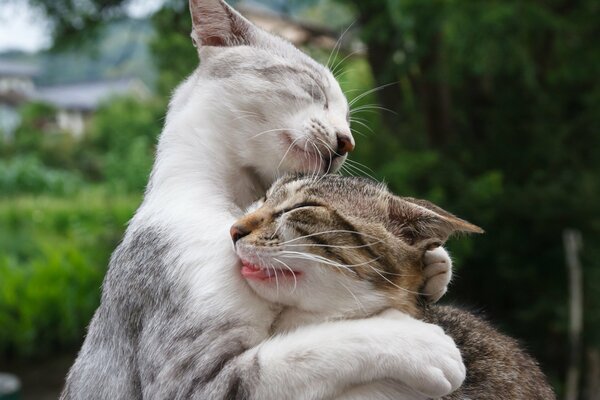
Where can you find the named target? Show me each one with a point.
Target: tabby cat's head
(339, 244)
(284, 111)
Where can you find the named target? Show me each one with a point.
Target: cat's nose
(345, 143)
(238, 231)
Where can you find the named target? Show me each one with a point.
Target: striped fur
(356, 250)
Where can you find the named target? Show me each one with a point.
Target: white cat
(176, 319)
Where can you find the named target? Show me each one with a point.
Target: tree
(497, 120)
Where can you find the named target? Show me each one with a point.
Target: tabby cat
(338, 248)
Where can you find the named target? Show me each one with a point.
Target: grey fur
(141, 344)
(304, 77)
(497, 368)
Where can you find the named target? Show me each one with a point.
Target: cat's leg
(386, 389)
(314, 362)
(324, 360)
(438, 273)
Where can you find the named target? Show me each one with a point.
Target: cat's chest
(291, 318)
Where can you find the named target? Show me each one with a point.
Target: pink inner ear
(217, 24)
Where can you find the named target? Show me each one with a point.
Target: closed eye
(315, 91)
(297, 206)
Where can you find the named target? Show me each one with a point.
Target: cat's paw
(425, 358)
(438, 274)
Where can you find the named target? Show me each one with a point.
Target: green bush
(122, 138)
(29, 175)
(37, 118)
(53, 256)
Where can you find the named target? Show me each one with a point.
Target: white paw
(438, 273)
(427, 360)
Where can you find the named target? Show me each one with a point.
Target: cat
(341, 248)
(176, 319)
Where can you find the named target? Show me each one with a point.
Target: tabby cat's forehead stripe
(335, 255)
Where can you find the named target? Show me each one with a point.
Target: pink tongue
(250, 271)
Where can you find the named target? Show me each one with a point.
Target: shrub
(122, 136)
(53, 255)
(29, 175)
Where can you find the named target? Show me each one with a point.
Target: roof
(87, 96)
(19, 69)
(295, 31)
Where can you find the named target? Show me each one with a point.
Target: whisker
(338, 43)
(393, 284)
(273, 130)
(291, 270)
(314, 258)
(345, 170)
(358, 171)
(331, 152)
(368, 92)
(362, 124)
(354, 162)
(328, 261)
(358, 303)
(335, 246)
(339, 63)
(329, 232)
(357, 132)
(338, 76)
(371, 108)
(320, 159)
(287, 151)
(348, 267)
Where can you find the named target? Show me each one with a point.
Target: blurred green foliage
(121, 140)
(64, 203)
(29, 175)
(495, 116)
(53, 255)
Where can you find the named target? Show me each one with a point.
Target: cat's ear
(216, 24)
(424, 224)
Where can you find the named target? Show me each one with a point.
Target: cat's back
(497, 367)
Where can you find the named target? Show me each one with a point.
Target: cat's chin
(307, 158)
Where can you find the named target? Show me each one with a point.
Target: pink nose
(237, 232)
(344, 144)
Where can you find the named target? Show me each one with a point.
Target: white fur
(333, 356)
(438, 272)
(213, 160)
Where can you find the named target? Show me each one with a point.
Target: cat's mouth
(313, 159)
(256, 272)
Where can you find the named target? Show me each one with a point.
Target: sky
(22, 28)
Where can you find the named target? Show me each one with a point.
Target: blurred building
(74, 102)
(16, 86)
(298, 32)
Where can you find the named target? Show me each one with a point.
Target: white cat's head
(283, 111)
